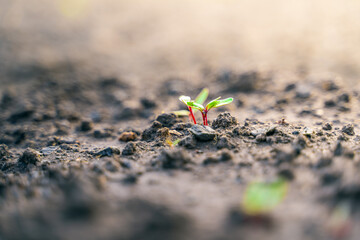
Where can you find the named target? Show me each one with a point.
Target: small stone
(330, 86)
(127, 136)
(86, 126)
(129, 149)
(327, 127)
(329, 103)
(225, 156)
(344, 98)
(290, 87)
(348, 129)
(108, 152)
(307, 132)
(48, 150)
(257, 132)
(30, 156)
(203, 133)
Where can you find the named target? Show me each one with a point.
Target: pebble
(48, 150)
(108, 152)
(203, 133)
(127, 136)
(348, 129)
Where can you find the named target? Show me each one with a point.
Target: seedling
(262, 197)
(204, 110)
(172, 143)
(200, 99)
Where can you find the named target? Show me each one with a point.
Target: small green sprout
(262, 197)
(200, 99)
(204, 110)
(172, 143)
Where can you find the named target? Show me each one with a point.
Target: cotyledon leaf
(218, 103)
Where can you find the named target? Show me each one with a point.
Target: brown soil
(85, 153)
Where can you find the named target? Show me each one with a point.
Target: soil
(92, 154)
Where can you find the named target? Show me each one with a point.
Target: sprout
(200, 99)
(212, 104)
(187, 100)
(262, 197)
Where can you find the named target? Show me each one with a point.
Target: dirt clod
(327, 127)
(130, 149)
(30, 156)
(224, 120)
(127, 136)
(108, 152)
(167, 119)
(348, 129)
(4, 152)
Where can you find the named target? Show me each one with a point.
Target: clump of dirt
(224, 120)
(30, 156)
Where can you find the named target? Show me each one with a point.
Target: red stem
(204, 115)
(192, 115)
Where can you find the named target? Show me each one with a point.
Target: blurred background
(145, 38)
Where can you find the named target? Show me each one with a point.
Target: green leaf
(176, 142)
(203, 95)
(185, 99)
(261, 197)
(218, 103)
(181, 113)
(196, 106)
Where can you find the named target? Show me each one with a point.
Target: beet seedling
(217, 102)
(200, 99)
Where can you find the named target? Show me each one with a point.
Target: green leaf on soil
(181, 113)
(260, 198)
